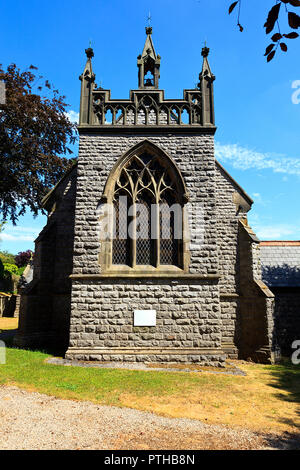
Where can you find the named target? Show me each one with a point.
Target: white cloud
(73, 116)
(265, 229)
(273, 232)
(12, 228)
(9, 237)
(243, 158)
(12, 233)
(257, 197)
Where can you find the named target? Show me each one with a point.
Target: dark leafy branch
(34, 134)
(272, 21)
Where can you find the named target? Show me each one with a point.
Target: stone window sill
(146, 275)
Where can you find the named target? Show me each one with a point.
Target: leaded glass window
(147, 228)
(121, 246)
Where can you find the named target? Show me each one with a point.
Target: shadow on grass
(286, 380)
(8, 337)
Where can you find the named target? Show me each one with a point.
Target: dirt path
(36, 421)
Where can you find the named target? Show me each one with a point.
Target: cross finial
(149, 27)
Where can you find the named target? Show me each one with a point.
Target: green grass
(28, 368)
(267, 399)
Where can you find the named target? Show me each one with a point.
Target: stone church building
(193, 295)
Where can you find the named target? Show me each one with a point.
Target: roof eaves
(51, 192)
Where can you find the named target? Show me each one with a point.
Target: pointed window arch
(148, 194)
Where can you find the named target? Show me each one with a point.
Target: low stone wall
(17, 306)
(205, 357)
(9, 305)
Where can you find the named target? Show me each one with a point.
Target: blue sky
(258, 138)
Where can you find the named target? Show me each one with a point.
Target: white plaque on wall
(144, 318)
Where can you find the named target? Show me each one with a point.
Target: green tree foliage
(10, 268)
(9, 274)
(1, 269)
(34, 132)
(7, 257)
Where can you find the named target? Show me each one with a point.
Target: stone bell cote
(148, 64)
(147, 105)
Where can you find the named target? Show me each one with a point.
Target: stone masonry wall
(187, 318)
(102, 311)
(227, 227)
(256, 304)
(45, 303)
(194, 156)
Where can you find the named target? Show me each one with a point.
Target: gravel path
(36, 421)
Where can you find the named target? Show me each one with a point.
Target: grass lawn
(267, 399)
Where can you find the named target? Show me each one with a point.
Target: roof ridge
(280, 243)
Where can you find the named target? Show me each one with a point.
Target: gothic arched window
(148, 221)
